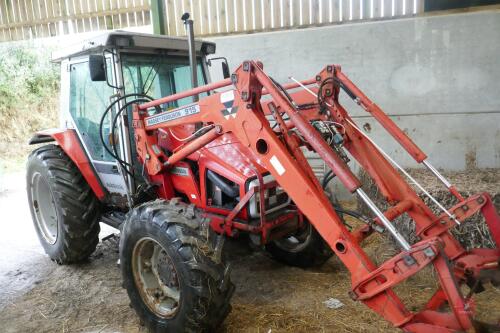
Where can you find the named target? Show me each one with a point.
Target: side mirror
(97, 67)
(225, 67)
(225, 70)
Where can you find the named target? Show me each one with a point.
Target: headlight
(208, 48)
(275, 198)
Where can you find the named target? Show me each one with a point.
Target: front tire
(64, 209)
(172, 268)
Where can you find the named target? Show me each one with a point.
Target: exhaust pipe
(192, 53)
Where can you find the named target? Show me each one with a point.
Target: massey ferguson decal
(227, 98)
(167, 116)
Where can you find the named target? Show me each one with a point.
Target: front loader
(178, 164)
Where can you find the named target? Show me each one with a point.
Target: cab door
(87, 102)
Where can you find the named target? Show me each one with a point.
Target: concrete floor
(23, 261)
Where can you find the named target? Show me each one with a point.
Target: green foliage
(26, 74)
(29, 90)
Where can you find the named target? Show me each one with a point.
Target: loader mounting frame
(241, 112)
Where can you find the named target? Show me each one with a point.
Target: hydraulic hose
(113, 153)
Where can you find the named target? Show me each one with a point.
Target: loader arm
(240, 111)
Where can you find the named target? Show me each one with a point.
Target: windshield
(159, 75)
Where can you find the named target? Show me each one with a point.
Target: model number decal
(180, 171)
(171, 115)
(115, 186)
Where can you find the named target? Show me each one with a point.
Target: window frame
(79, 60)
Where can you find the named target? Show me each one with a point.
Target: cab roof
(131, 40)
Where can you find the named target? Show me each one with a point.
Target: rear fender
(68, 140)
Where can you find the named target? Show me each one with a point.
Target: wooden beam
(81, 16)
(158, 17)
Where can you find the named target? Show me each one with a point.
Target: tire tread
(193, 242)
(77, 203)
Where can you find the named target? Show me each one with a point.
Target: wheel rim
(44, 207)
(296, 242)
(155, 277)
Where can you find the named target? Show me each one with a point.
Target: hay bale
(472, 233)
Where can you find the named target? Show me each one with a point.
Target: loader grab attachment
(302, 118)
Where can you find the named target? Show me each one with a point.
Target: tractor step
(114, 219)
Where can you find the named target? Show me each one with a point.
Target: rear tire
(172, 268)
(64, 209)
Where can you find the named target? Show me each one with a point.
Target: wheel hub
(44, 208)
(166, 270)
(156, 278)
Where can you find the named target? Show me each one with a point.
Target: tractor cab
(101, 82)
(115, 64)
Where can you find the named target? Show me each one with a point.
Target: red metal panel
(186, 182)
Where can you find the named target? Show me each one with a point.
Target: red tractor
(179, 174)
